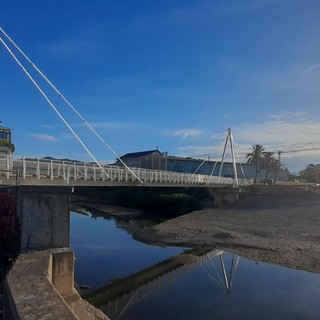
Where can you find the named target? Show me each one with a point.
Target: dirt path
(280, 226)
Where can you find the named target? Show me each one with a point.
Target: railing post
(74, 171)
(64, 171)
(24, 168)
(103, 175)
(51, 169)
(94, 172)
(111, 174)
(38, 169)
(119, 174)
(126, 174)
(68, 175)
(85, 171)
(8, 166)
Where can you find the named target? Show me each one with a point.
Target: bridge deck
(35, 171)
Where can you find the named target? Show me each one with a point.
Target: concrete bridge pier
(224, 196)
(44, 216)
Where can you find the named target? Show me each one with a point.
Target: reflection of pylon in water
(225, 281)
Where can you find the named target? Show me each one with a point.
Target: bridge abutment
(44, 215)
(40, 283)
(224, 196)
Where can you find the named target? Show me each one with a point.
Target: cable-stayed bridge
(26, 171)
(43, 172)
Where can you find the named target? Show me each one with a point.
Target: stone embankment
(40, 285)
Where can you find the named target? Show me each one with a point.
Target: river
(219, 285)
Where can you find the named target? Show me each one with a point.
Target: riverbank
(273, 224)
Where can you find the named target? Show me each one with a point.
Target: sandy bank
(279, 226)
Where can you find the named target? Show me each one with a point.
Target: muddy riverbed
(274, 224)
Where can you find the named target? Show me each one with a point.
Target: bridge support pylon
(224, 196)
(44, 215)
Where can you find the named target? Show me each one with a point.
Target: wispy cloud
(43, 137)
(113, 125)
(184, 133)
(288, 116)
(295, 134)
(66, 48)
(47, 126)
(203, 12)
(102, 126)
(302, 79)
(284, 129)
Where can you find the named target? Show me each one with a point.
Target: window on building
(4, 135)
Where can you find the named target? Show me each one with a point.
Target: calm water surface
(106, 251)
(259, 290)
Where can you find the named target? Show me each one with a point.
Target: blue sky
(173, 73)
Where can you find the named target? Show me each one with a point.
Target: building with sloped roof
(151, 159)
(156, 160)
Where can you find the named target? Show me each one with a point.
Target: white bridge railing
(37, 171)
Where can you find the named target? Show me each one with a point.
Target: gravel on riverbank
(272, 224)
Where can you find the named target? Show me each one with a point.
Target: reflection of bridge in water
(116, 297)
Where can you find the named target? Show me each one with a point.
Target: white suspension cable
(204, 160)
(241, 167)
(233, 158)
(215, 164)
(52, 106)
(214, 268)
(70, 105)
(201, 164)
(224, 152)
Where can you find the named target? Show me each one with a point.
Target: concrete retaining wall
(40, 285)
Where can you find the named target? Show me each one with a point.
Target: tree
(255, 157)
(9, 145)
(268, 160)
(310, 173)
(276, 167)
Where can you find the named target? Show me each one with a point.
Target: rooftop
(139, 154)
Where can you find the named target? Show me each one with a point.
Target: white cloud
(44, 137)
(288, 116)
(295, 134)
(184, 133)
(280, 133)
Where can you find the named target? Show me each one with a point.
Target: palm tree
(276, 167)
(268, 159)
(256, 157)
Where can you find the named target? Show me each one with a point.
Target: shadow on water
(133, 280)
